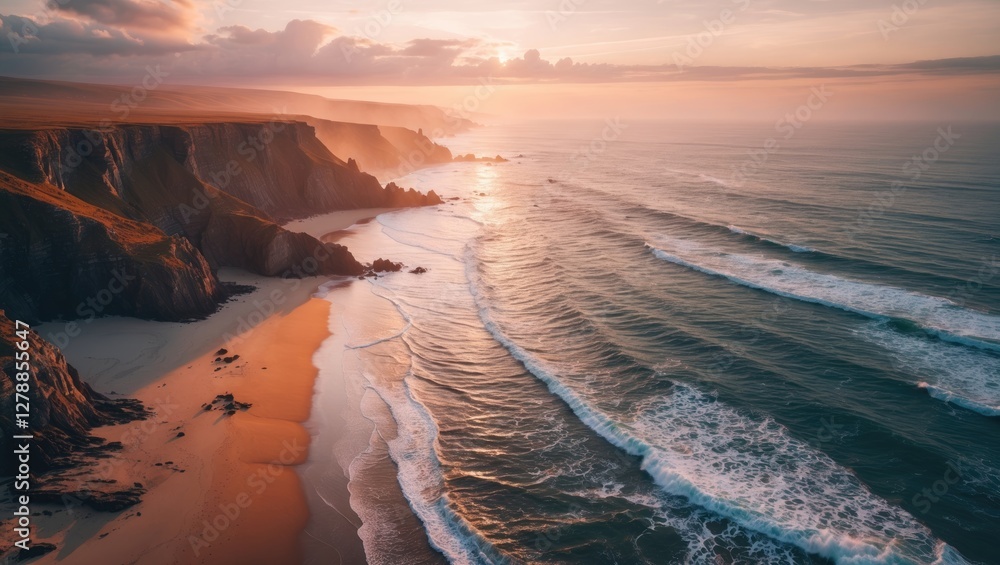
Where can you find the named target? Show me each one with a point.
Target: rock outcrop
(385, 266)
(257, 245)
(63, 408)
(471, 158)
(396, 197)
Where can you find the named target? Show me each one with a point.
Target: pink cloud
(150, 15)
(307, 51)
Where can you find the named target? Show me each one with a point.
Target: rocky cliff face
(61, 257)
(279, 168)
(250, 243)
(166, 206)
(381, 150)
(63, 408)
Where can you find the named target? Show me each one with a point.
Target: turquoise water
(623, 352)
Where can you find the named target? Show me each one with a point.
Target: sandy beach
(215, 481)
(329, 224)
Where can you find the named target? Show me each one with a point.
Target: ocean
(678, 343)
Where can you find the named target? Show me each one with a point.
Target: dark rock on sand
(36, 550)
(100, 500)
(385, 266)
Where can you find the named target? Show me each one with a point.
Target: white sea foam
(938, 316)
(748, 470)
(965, 377)
(960, 400)
(421, 480)
(412, 447)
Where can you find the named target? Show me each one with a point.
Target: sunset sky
(682, 52)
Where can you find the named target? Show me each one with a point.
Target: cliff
(172, 204)
(381, 150)
(62, 257)
(63, 408)
(155, 173)
(409, 142)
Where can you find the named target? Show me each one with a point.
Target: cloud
(437, 48)
(310, 52)
(959, 65)
(151, 15)
(299, 40)
(63, 41)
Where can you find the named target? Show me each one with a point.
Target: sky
(722, 58)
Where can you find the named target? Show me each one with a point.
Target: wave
(385, 372)
(418, 469)
(749, 471)
(795, 248)
(961, 376)
(716, 180)
(936, 316)
(421, 480)
(954, 398)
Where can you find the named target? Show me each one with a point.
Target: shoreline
(322, 225)
(354, 424)
(220, 487)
